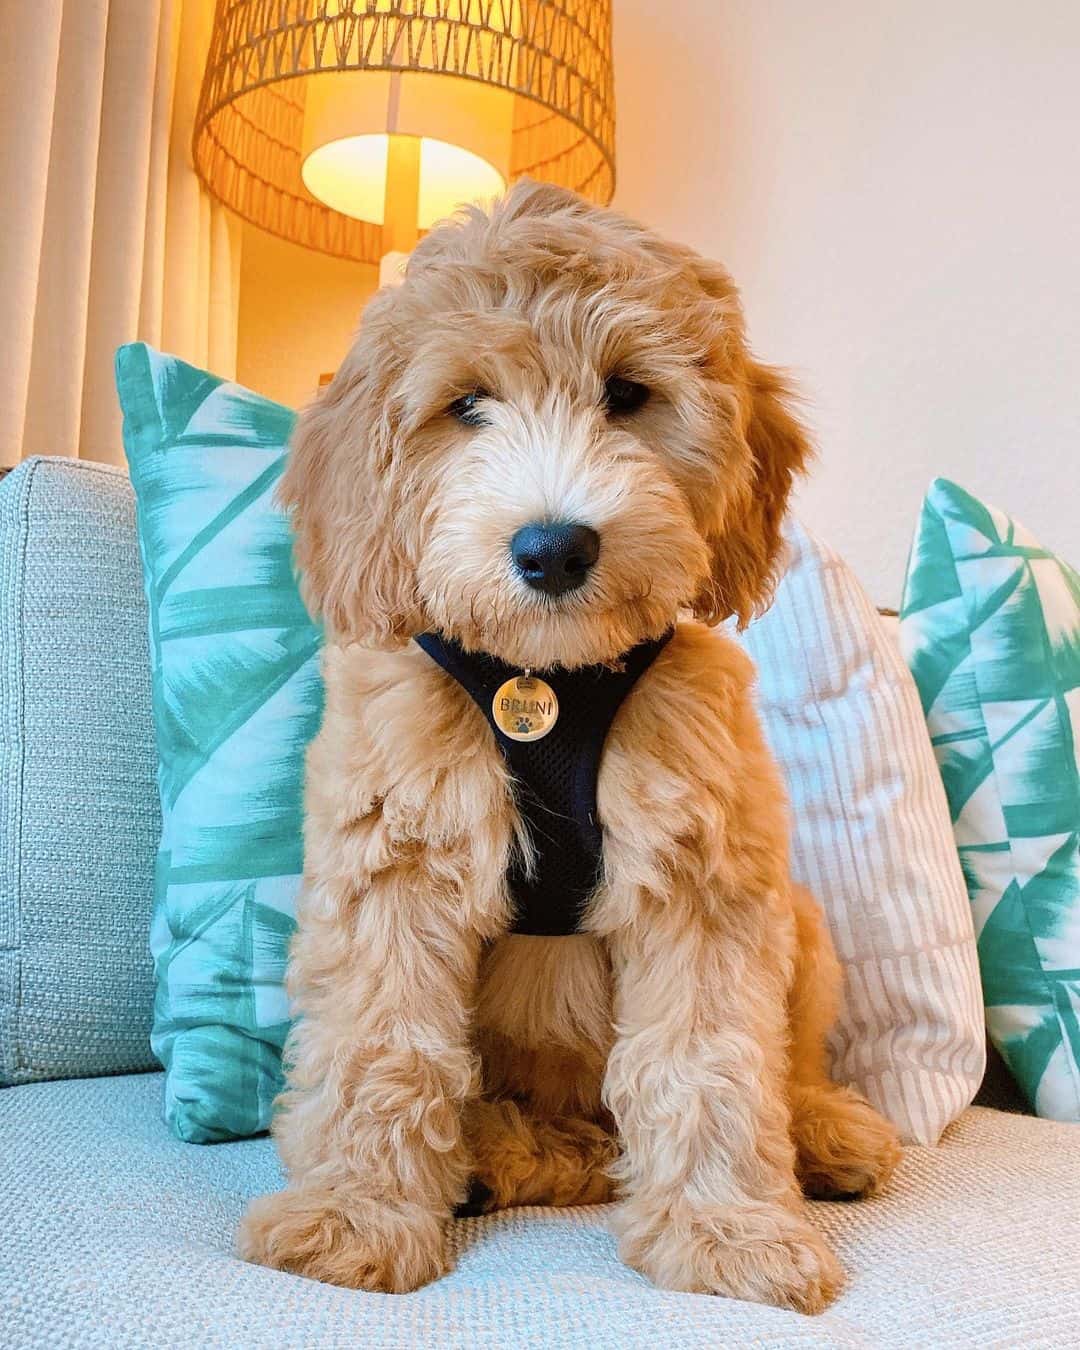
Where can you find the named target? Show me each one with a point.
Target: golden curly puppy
(556, 373)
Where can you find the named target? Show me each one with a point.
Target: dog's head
(544, 443)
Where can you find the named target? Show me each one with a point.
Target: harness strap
(554, 779)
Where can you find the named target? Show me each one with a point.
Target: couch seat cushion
(118, 1234)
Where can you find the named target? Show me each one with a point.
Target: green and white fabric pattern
(236, 697)
(990, 626)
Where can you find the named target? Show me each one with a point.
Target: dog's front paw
(761, 1253)
(340, 1239)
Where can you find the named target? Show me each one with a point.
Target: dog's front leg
(696, 1082)
(380, 1063)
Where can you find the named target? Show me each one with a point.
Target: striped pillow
(872, 839)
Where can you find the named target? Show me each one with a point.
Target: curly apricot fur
(674, 1052)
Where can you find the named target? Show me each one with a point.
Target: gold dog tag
(525, 708)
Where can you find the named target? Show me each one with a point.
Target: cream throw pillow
(871, 837)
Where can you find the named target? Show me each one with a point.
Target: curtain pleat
(120, 215)
(28, 75)
(112, 238)
(153, 280)
(202, 246)
(57, 346)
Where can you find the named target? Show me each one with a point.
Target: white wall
(298, 313)
(896, 188)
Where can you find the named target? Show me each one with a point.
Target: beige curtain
(107, 235)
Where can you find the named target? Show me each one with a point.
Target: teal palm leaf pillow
(990, 626)
(237, 696)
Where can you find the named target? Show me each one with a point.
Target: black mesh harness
(554, 778)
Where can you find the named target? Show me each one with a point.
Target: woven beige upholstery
(116, 1234)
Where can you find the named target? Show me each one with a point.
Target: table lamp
(351, 126)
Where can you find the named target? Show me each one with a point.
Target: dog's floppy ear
(747, 546)
(351, 545)
(744, 537)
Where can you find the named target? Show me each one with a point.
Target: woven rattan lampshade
(526, 85)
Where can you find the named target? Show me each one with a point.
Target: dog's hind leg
(844, 1147)
(538, 1134)
(523, 1158)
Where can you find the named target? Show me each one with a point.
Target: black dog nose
(554, 558)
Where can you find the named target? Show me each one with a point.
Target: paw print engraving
(524, 725)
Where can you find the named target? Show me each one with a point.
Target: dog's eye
(624, 396)
(467, 408)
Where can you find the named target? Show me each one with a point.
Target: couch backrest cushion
(79, 816)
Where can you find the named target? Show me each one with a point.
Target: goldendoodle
(543, 964)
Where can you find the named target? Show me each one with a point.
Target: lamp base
(392, 268)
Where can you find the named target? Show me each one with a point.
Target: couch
(115, 1233)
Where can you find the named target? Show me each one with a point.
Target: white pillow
(871, 837)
